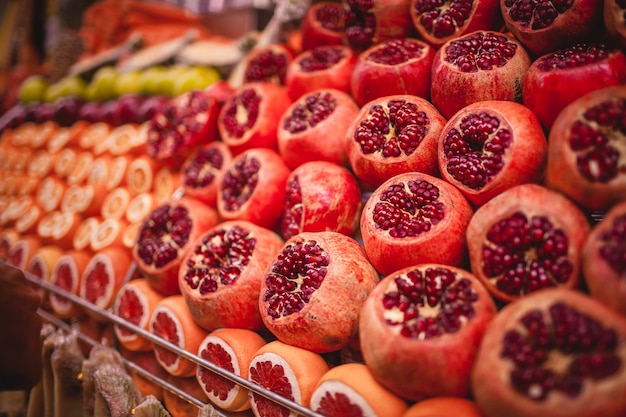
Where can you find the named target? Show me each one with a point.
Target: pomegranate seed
(480, 51)
(613, 249)
(200, 172)
(321, 58)
(242, 113)
(442, 18)
(574, 56)
(330, 17)
(239, 183)
(396, 52)
(292, 217)
(315, 109)
(267, 66)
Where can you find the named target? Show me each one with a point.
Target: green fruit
(128, 83)
(68, 86)
(195, 78)
(102, 85)
(33, 89)
(150, 79)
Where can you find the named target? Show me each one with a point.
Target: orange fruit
(117, 171)
(140, 174)
(286, 370)
(139, 207)
(172, 321)
(66, 275)
(41, 165)
(351, 389)
(115, 203)
(28, 221)
(64, 161)
(93, 134)
(85, 232)
(81, 169)
(59, 228)
(7, 237)
(50, 192)
(127, 139)
(110, 232)
(44, 133)
(84, 199)
(41, 266)
(147, 362)
(167, 183)
(443, 407)
(99, 174)
(22, 250)
(230, 349)
(129, 236)
(135, 302)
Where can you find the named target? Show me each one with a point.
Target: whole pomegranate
(439, 21)
(249, 118)
(393, 67)
(253, 188)
(586, 153)
(322, 24)
(327, 66)
(556, 352)
(314, 128)
(604, 259)
(165, 237)
(415, 218)
(203, 170)
(220, 277)
(313, 290)
(268, 64)
(321, 196)
(392, 135)
(369, 22)
(490, 146)
(478, 66)
(557, 78)
(546, 26)
(420, 328)
(526, 239)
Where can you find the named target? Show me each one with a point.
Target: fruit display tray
(116, 320)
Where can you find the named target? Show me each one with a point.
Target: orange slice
(64, 162)
(41, 165)
(167, 184)
(41, 266)
(21, 157)
(93, 134)
(129, 236)
(58, 228)
(135, 302)
(443, 407)
(140, 174)
(81, 169)
(232, 350)
(8, 236)
(85, 232)
(66, 136)
(67, 274)
(109, 233)
(29, 220)
(172, 321)
(287, 370)
(50, 192)
(16, 206)
(22, 251)
(83, 199)
(351, 389)
(43, 134)
(26, 184)
(117, 172)
(115, 203)
(99, 174)
(123, 140)
(140, 206)
(22, 134)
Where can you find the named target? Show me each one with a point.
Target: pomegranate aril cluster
(315, 109)
(396, 51)
(200, 171)
(613, 245)
(239, 182)
(268, 65)
(481, 51)
(429, 303)
(162, 221)
(443, 23)
(292, 216)
(219, 259)
(321, 58)
(559, 334)
(247, 100)
(574, 56)
(537, 15)
(331, 18)
(298, 272)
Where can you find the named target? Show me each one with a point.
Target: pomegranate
(185, 122)
(478, 66)
(614, 23)
(327, 66)
(428, 311)
(313, 128)
(321, 196)
(556, 352)
(268, 64)
(220, 277)
(203, 171)
(313, 274)
(394, 67)
(415, 218)
(490, 146)
(526, 239)
(253, 188)
(369, 22)
(439, 21)
(249, 118)
(546, 26)
(557, 78)
(586, 154)
(322, 24)
(392, 135)
(604, 259)
(165, 237)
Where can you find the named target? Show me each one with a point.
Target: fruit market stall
(376, 208)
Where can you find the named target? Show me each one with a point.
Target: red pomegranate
(614, 23)
(547, 26)
(369, 22)
(249, 118)
(526, 239)
(439, 21)
(321, 196)
(604, 259)
(322, 24)
(314, 128)
(268, 64)
(165, 237)
(253, 188)
(556, 79)
(478, 66)
(394, 67)
(392, 135)
(220, 277)
(415, 218)
(490, 146)
(183, 123)
(420, 328)
(586, 155)
(203, 170)
(327, 66)
(556, 352)
(313, 290)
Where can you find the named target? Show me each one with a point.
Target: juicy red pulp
(321, 58)
(330, 17)
(268, 66)
(239, 183)
(311, 111)
(248, 102)
(212, 382)
(219, 259)
(613, 246)
(201, 171)
(64, 281)
(396, 52)
(544, 338)
(442, 18)
(359, 23)
(97, 282)
(273, 378)
(481, 51)
(292, 216)
(338, 404)
(535, 14)
(164, 327)
(131, 310)
(165, 231)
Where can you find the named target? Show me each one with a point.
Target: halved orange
(66, 275)
(443, 407)
(115, 203)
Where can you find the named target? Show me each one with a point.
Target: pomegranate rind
(206, 193)
(531, 200)
(236, 304)
(525, 159)
(490, 377)
(444, 243)
(319, 326)
(562, 173)
(446, 360)
(314, 33)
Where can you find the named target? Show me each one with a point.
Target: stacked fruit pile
(415, 209)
